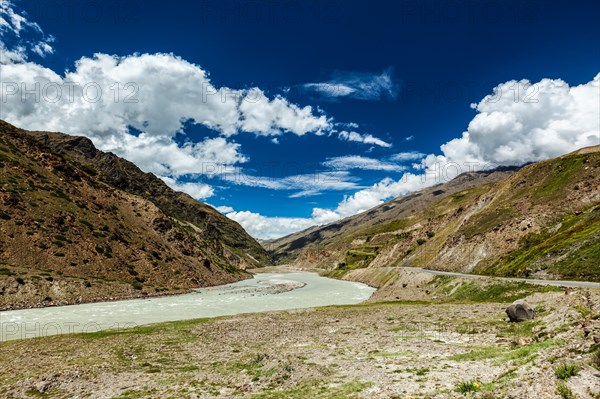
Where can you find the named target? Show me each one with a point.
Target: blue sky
(387, 84)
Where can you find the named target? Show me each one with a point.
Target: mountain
(541, 220)
(78, 224)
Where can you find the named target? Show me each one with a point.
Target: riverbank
(395, 349)
(265, 292)
(26, 288)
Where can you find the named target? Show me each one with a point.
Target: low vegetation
(566, 371)
(468, 387)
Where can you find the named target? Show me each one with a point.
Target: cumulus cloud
(196, 190)
(523, 122)
(153, 93)
(135, 106)
(264, 227)
(362, 138)
(359, 162)
(357, 85)
(107, 98)
(162, 156)
(518, 123)
(270, 117)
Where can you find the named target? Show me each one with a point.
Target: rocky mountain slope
(542, 220)
(78, 224)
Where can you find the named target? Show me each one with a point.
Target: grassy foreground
(402, 349)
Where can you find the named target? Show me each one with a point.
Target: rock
(162, 225)
(521, 341)
(597, 339)
(518, 312)
(42, 386)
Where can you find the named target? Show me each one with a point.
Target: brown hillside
(78, 224)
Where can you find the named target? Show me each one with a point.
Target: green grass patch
(564, 391)
(539, 251)
(497, 292)
(178, 328)
(467, 387)
(559, 174)
(388, 227)
(522, 354)
(566, 371)
(315, 390)
(487, 219)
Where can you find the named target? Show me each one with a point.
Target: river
(265, 292)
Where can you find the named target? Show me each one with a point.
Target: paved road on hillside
(576, 284)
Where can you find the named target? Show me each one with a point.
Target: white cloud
(357, 85)
(42, 49)
(264, 227)
(196, 190)
(360, 138)
(224, 209)
(507, 131)
(270, 117)
(407, 156)
(523, 122)
(22, 34)
(106, 96)
(162, 156)
(541, 121)
(359, 162)
(331, 89)
(260, 226)
(303, 185)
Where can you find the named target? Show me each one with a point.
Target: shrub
(90, 170)
(4, 215)
(596, 358)
(59, 254)
(86, 223)
(564, 391)
(566, 371)
(421, 241)
(468, 387)
(430, 234)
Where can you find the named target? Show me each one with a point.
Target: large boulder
(518, 312)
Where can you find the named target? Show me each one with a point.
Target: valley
(455, 346)
(410, 301)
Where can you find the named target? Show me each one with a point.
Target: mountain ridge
(79, 225)
(540, 220)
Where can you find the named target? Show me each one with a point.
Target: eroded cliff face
(542, 220)
(81, 225)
